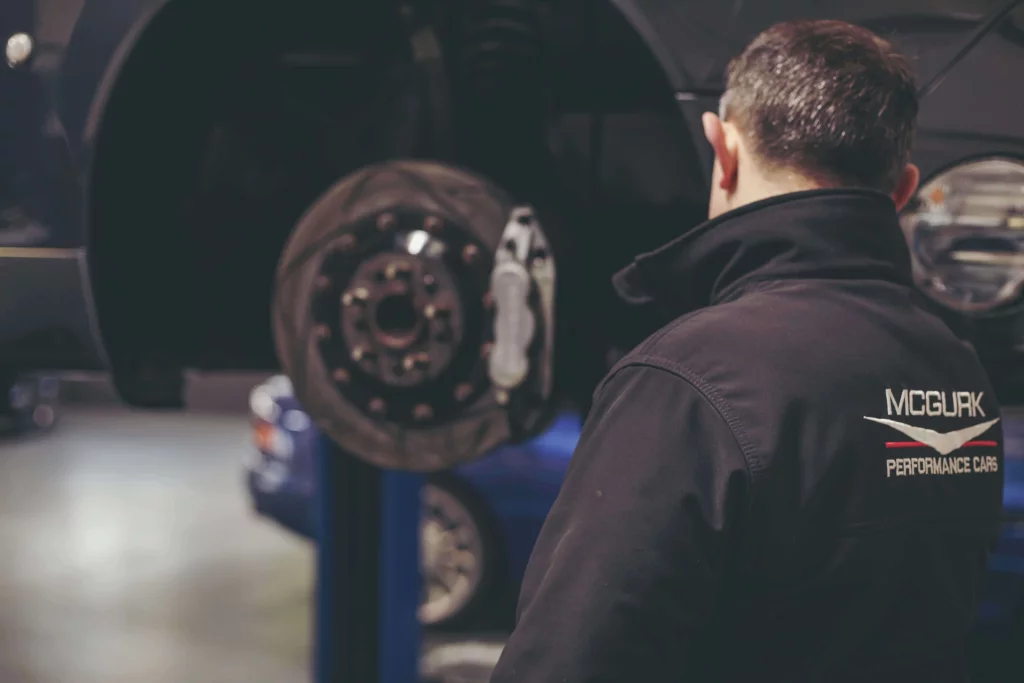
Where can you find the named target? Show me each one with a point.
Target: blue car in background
(481, 519)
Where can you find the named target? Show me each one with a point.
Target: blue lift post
(367, 571)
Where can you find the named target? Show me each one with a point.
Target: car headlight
(262, 404)
(965, 229)
(296, 421)
(272, 440)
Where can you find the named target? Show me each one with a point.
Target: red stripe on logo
(918, 444)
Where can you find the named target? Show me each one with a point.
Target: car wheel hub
(452, 556)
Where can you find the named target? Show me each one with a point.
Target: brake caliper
(523, 289)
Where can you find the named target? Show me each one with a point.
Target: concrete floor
(129, 555)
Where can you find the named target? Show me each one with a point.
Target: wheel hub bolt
(432, 223)
(423, 411)
(346, 242)
(322, 332)
(341, 375)
(463, 391)
(385, 221)
(396, 269)
(415, 360)
(470, 253)
(378, 406)
(322, 282)
(360, 353)
(359, 294)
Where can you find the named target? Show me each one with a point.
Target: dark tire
(152, 385)
(471, 610)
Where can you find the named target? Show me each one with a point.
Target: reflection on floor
(128, 555)
(460, 658)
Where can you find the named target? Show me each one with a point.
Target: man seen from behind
(799, 477)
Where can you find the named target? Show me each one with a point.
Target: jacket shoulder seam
(710, 395)
(657, 337)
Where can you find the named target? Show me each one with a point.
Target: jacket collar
(816, 234)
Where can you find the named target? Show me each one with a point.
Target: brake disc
(384, 317)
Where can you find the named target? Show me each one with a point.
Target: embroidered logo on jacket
(916, 402)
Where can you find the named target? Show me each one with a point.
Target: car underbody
(209, 156)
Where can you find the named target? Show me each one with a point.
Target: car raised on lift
(169, 167)
(433, 193)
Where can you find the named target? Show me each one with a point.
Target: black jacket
(798, 479)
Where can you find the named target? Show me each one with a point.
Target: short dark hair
(826, 99)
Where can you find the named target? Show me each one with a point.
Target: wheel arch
(115, 67)
(144, 139)
(652, 21)
(643, 23)
(112, 45)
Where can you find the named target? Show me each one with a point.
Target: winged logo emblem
(943, 443)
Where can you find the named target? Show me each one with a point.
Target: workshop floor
(129, 555)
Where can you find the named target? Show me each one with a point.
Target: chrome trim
(42, 252)
(90, 309)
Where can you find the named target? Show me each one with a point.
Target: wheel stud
(423, 411)
(360, 353)
(463, 391)
(385, 221)
(346, 242)
(378, 406)
(415, 360)
(359, 294)
(396, 269)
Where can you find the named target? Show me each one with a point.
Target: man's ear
(907, 186)
(726, 155)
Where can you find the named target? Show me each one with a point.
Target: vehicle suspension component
(414, 314)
